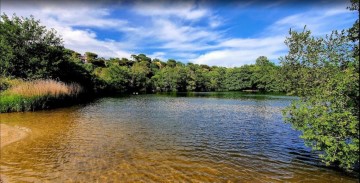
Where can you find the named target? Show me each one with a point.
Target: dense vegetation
(143, 74)
(29, 51)
(323, 72)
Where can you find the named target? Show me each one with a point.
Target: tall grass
(45, 87)
(38, 94)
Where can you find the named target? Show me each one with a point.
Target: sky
(227, 33)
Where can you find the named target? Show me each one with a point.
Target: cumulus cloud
(237, 52)
(83, 16)
(270, 43)
(64, 21)
(158, 55)
(187, 31)
(185, 10)
(320, 21)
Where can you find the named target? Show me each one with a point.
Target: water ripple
(154, 138)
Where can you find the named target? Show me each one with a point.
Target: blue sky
(214, 33)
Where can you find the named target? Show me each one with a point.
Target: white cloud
(237, 52)
(83, 40)
(270, 43)
(83, 16)
(162, 32)
(320, 21)
(167, 30)
(250, 43)
(63, 21)
(175, 29)
(215, 21)
(165, 33)
(159, 55)
(187, 10)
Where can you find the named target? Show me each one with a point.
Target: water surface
(196, 137)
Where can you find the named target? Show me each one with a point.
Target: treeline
(30, 51)
(143, 74)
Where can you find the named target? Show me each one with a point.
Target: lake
(183, 137)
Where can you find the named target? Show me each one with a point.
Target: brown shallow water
(159, 138)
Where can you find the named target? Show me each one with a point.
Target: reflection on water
(205, 137)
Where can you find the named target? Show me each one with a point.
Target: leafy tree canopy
(324, 72)
(27, 49)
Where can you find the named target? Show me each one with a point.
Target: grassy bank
(38, 94)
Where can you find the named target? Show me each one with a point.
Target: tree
(141, 57)
(353, 32)
(28, 50)
(91, 57)
(239, 78)
(262, 61)
(215, 79)
(166, 79)
(72, 55)
(324, 73)
(171, 63)
(125, 62)
(265, 76)
(117, 77)
(138, 74)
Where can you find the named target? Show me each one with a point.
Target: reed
(38, 94)
(45, 87)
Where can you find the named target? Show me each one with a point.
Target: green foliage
(353, 32)
(170, 79)
(98, 63)
(12, 103)
(72, 55)
(125, 62)
(215, 79)
(116, 77)
(266, 75)
(165, 80)
(138, 76)
(141, 57)
(324, 73)
(240, 78)
(173, 76)
(17, 103)
(78, 73)
(6, 82)
(90, 57)
(171, 63)
(28, 50)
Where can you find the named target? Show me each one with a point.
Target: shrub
(6, 83)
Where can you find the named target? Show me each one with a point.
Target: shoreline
(11, 134)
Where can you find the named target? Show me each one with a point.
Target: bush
(6, 83)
